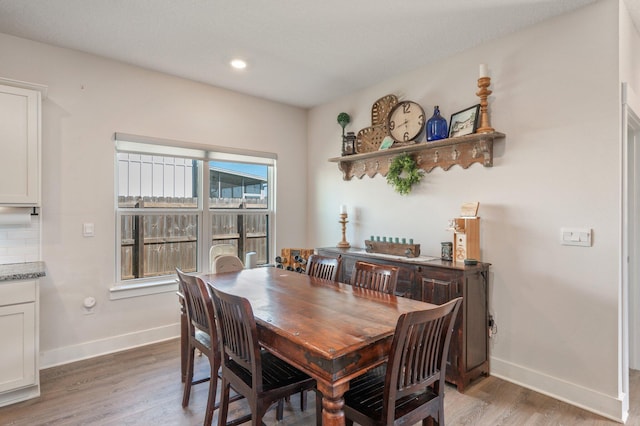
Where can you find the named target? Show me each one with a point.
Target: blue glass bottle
(436, 126)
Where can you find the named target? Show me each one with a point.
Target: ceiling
(301, 53)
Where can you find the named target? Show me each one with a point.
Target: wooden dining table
(331, 331)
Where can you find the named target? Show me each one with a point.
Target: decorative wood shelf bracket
(462, 150)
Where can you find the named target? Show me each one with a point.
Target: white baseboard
(109, 345)
(589, 399)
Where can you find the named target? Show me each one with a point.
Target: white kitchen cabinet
(19, 360)
(20, 144)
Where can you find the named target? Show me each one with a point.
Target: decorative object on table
(349, 144)
(397, 249)
(436, 126)
(293, 259)
(469, 209)
(403, 174)
(484, 81)
(466, 233)
(446, 252)
(464, 122)
(406, 121)
(387, 142)
(343, 222)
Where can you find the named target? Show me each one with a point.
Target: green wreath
(403, 174)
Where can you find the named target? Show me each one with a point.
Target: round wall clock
(406, 121)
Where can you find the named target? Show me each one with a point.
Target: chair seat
(203, 338)
(366, 395)
(275, 373)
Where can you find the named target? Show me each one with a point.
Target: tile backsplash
(20, 243)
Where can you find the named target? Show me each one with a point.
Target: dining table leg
(333, 403)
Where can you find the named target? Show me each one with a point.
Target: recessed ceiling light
(238, 64)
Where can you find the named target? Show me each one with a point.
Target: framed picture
(464, 122)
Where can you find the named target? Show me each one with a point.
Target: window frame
(204, 154)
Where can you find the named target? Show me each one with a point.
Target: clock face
(406, 121)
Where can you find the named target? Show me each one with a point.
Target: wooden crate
(398, 249)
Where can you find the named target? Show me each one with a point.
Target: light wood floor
(142, 387)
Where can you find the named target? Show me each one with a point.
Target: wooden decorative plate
(381, 108)
(370, 138)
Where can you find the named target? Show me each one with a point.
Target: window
(163, 219)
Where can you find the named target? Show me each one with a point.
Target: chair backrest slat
(372, 276)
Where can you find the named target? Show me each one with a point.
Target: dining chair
(410, 386)
(373, 276)
(202, 336)
(323, 267)
(261, 377)
(227, 263)
(221, 249)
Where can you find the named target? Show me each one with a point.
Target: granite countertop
(21, 271)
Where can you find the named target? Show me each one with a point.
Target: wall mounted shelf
(462, 150)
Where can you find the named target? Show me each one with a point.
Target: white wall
(90, 98)
(556, 97)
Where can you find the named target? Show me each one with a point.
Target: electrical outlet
(88, 305)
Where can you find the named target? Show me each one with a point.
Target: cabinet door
(438, 291)
(18, 354)
(19, 144)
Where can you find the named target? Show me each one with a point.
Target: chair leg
(257, 412)
(188, 378)
(223, 411)
(303, 400)
(213, 386)
(429, 421)
(280, 410)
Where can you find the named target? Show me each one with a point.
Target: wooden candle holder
(397, 249)
(483, 94)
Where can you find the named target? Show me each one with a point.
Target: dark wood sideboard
(437, 282)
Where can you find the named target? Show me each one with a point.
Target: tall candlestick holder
(343, 221)
(483, 93)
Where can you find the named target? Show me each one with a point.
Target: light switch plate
(87, 229)
(575, 237)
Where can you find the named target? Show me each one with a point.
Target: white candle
(343, 209)
(484, 71)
